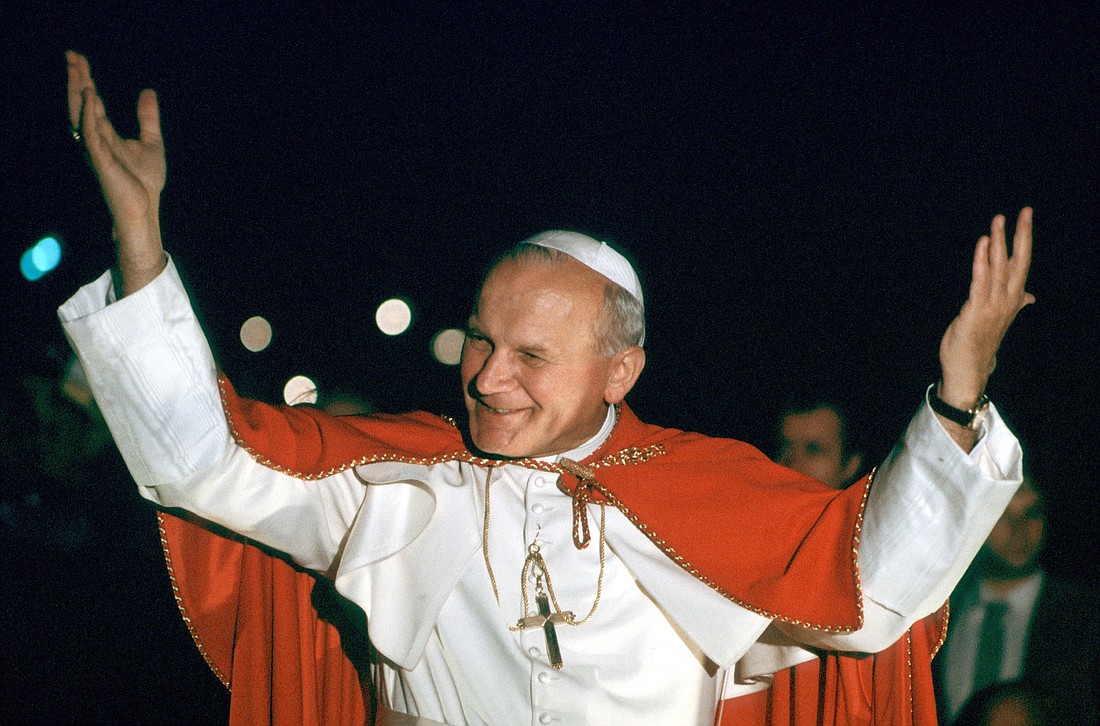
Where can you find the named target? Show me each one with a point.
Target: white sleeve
(153, 376)
(930, 508)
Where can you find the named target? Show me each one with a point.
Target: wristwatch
(970, 418)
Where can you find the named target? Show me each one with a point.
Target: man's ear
(625, 369)
(855, 461)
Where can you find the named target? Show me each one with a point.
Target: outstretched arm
(932, 506)
(968, 351)
(131, 173)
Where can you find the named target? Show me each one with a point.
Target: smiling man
(541, 362)
(553, 559)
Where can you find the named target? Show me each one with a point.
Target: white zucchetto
(596, 255)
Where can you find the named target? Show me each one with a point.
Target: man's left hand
(968, 351)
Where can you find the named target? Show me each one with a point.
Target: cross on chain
(545, 620)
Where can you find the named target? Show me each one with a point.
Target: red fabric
(799, 533)
(793, 534)
(253, 618)
(252, 612)
(889, 688)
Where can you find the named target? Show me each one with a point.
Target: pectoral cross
(545, 620)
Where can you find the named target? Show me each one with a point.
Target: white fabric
(409, 546)
(595, 254)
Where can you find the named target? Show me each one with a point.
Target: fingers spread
(1021, 251)
(998, 278)
(99, 135)
(979, 273)
(80, 77)
(998, 249)
(148, 112)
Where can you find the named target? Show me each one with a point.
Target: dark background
(800, 189)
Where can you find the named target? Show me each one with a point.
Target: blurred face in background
(812, 443)
(1013, 546)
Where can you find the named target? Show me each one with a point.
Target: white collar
(1020, 597)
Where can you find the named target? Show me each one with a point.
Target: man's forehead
(1025, 497)
(821, 420)
(598, 256)
(564, 277)
(527, 295)
(554, 341)
(580, 281)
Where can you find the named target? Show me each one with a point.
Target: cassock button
(534, 652)
(545, 677)
(537, 508)
(547, 718)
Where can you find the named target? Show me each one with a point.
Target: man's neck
(585, 450)
(1004, 588)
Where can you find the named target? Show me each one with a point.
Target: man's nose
(794, 457)
(1021, 525)
(496, 375)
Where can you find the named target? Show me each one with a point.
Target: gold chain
(534, 559)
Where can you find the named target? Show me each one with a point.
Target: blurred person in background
(816, 437)
(91, 632)
(1011, 620)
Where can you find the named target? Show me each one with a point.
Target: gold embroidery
(943, 628)
(632, 455)
(691, 570)
(909, 671)
(183, 610)
(629, 455)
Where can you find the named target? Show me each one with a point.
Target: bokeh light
(300, 389)
(393, 317)
(256, 333)
(447, 346)
(44, 256)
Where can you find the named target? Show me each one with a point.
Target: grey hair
(623, 321)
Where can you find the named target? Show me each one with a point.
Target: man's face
(534, 382)
(1013, 546)
(810, 443)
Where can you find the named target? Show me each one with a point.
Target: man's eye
(478, 341)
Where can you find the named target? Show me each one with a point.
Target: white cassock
(661, 647)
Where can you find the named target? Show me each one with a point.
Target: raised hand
(131, 172)
(968, 351)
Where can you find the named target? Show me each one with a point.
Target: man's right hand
(131, 173)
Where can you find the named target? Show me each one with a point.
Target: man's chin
(492, 447)
(495, 438)
(995, 568)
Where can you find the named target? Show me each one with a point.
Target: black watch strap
(968, 418)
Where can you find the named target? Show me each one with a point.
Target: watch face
(980, 413)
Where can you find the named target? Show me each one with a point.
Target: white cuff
(152, 373)
(930, 509)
